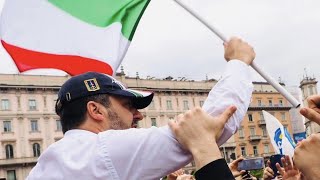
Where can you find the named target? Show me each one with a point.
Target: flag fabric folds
(73, 36)
(279, 136)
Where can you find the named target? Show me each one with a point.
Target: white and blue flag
(279, 136)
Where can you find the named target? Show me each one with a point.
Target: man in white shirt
(97, 112)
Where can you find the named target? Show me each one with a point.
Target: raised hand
(312, 112)
(289, 171)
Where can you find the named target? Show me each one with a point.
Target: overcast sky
(170, 42)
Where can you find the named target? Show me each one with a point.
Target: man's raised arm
(234, 88)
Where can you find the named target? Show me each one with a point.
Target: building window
(259, 103)
(160, 103)
(9, 151)
(169, 105)
(264, 131)
(4, 104)
(266, 148)
(19, 102)
(280, 103)
(241, 133)
(153, 122)
(34, 125)
(36, 150)
(151, 105)
(11, 175)
(225, 155)
(58, 125)
(255, 151)
(177, 101)
(261, 116)
(45, 101)
(250, 117)
(283, 116)
(310, 90)
(252, 132)
(270, 102)
(243, 151)
(32, 104)
(6, 126)
(185, 105)
(201, 103)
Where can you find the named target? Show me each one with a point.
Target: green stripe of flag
(135, 93)
(102, 13)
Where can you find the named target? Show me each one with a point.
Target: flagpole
(266, 76)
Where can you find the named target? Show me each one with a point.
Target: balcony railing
(14, 161)
(267, 154)
(269, 106)
(262, 122)
(254, 138)
(229, 145)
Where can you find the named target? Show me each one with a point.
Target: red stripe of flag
(27, 59)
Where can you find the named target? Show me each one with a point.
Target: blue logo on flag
(278, 139)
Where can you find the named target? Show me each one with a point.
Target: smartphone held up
(251, 164)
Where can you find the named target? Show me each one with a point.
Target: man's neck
(92, 127)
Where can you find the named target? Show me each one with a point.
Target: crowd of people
(97, 114)
(305, 163)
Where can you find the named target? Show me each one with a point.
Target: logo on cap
(92, 84)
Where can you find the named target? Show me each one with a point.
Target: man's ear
(94, 111)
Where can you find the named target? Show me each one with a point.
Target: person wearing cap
(97, 113)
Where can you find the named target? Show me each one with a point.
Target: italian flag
(75, 36)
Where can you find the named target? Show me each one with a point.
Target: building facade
(28, 123)
(308, 87)
(252, 138)
(298, 121)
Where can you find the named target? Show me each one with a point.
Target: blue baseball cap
(93, 83)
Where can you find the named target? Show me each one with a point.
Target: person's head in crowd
(98, 102)
(306, 155)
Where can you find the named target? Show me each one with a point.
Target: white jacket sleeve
(234, 88)
(143, 153)
(154, 152)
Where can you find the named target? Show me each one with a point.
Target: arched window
(36, 150)
(9, 151)
(310, 90)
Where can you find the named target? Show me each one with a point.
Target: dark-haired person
(97, 113)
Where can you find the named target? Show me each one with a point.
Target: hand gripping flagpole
(268, 78)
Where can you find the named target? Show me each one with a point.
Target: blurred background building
(308, 87)
(28, 123)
